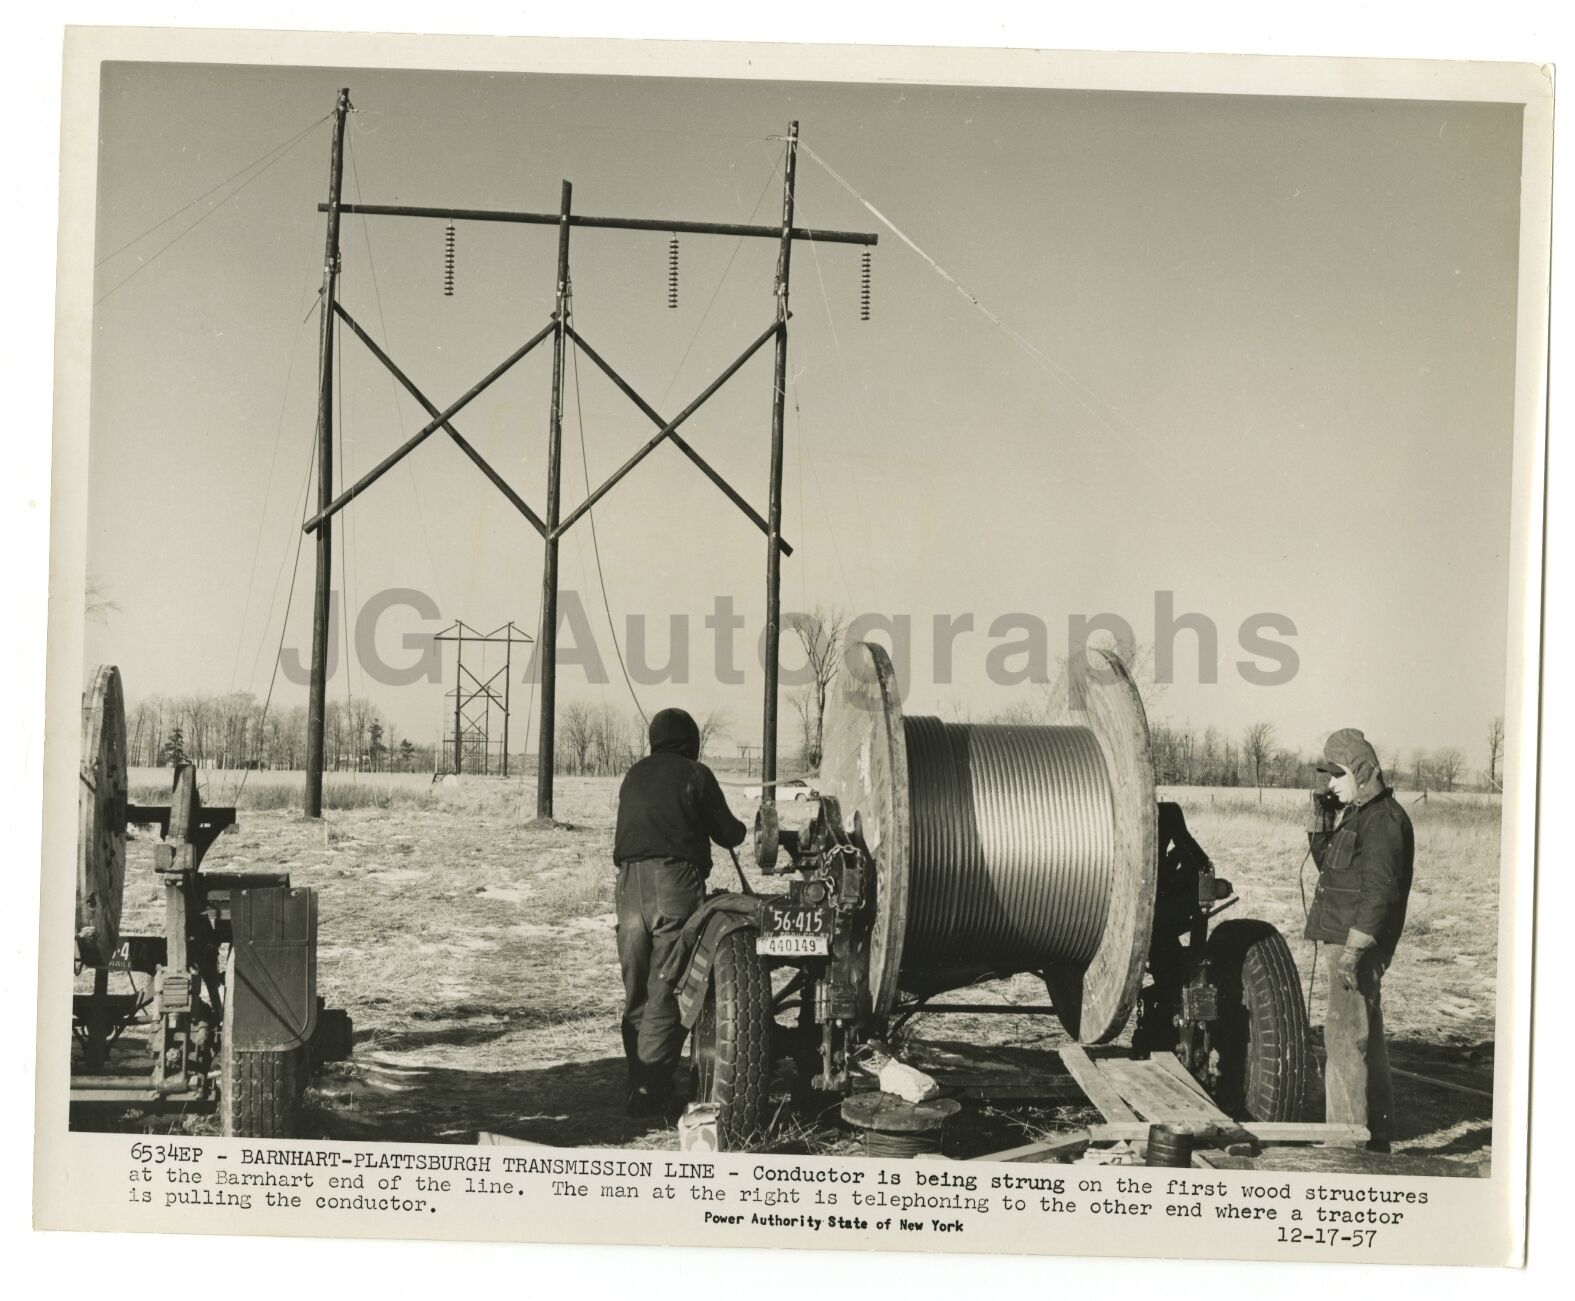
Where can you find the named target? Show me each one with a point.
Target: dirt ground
(475, 953)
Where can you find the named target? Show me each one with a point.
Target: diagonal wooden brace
(430, 408)
(439, 420)
(667, 429)
(683, 446)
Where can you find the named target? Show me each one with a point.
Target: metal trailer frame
(233, 971)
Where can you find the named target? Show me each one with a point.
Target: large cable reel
(101, 842)
(1001, 848)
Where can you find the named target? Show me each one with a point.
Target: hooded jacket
(1364, 871)
(670, 806)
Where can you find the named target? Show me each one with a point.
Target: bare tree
(716, 724)
(1257, 743)
(615, 739)
(198, 711)
(576, 733)
(292, 738)
(1420, 771)
(1495, 740)
(1284, 766)
(803, 701)
(1025, 711)
(142, 727)
(820, 634)
(361, 713)
(1210, 758)
(1448, 765)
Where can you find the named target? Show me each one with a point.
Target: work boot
(643, 1104)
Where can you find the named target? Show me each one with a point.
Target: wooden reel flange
(101, 839)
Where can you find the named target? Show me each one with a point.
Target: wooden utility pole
(547, 641)
(317, 692)
(773, 649)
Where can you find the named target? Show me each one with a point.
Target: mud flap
(274, 936)
(697, 975)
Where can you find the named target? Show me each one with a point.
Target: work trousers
(655, 897)
(1358, 1089)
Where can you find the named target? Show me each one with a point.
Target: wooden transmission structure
(552, 522)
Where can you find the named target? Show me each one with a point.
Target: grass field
(475, 952)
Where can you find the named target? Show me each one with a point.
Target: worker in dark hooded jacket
(1364, 881)
(670, 810)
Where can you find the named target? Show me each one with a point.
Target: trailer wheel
(258, 1091)
(731, 1055)
(1261, 1034)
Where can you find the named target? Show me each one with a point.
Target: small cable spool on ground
(1000, 849)
(897, 1129)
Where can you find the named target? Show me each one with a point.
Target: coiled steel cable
(1012, 847)
(901, 1146)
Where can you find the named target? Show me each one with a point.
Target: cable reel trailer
(944, 854)
(226, 994)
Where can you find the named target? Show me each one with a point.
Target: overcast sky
(1268, 367)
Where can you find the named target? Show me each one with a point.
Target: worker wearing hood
(670, 811)
(1364, 881)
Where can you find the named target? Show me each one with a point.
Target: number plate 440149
(791, 930)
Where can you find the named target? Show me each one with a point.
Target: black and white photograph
(920, 637)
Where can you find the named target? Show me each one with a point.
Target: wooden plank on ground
(1136, 1090)
(1171, 1065)
(1289, 1131)
(1156, 1095)
(1347, 1160)
(1016, 1084)
(1098, 1090)
(1194, 1102)
(1069, 1144)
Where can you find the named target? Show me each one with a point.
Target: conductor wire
(1013, 845)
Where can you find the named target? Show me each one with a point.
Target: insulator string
(672, 272)
(866, 277)
(448, 260)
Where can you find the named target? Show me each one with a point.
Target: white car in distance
(795, 788)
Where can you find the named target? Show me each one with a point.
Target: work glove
(1356, 944)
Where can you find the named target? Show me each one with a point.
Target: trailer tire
(258, 1091)
(1261, 1034)
(731, 1050)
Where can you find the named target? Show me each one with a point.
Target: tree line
(596, 738)
(232, 730)
(599, 738)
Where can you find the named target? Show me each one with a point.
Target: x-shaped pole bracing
(666, 429)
